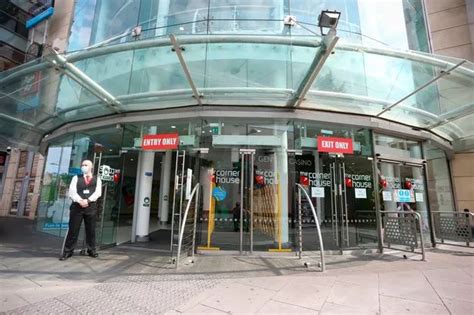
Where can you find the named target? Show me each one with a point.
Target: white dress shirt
(75, 196)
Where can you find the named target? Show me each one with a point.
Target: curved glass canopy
(424, 91)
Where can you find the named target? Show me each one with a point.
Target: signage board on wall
(160, 142)
(335, 145)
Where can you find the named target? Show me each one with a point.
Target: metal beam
(314, 69)
(19, 121)
(453, 115)
(85, 81)
(439, 76)
(187, 73)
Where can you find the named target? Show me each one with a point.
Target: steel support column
(328, 44)
(439, 76)
(187, 73)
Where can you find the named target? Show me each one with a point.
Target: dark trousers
(76, 215)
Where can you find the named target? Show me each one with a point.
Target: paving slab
(360, 297)
(410, 285)
(276, 307)
(394, 305)
(459, 307)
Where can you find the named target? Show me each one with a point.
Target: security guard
(84, 191)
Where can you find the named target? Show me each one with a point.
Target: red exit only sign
(167, 141)
(335, 145)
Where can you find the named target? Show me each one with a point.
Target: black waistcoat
(83, 190)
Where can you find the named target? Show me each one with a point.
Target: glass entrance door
(341, 189)
(402, 188)
(242, 200)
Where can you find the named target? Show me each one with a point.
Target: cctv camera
(9, 149)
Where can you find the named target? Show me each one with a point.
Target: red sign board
(167, 141)
(335, 145)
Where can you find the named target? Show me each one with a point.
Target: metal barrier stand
(396, 231)
(453, 226)
(321, 247)
(194, 192)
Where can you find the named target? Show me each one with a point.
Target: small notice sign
(360, 193)
(387, 195)
(419, 197)
(160, 142)
(335, 145)
(317, 192)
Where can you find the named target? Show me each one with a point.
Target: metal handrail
(195, 191)
(455, 212)
(318, 229)
(418, 216)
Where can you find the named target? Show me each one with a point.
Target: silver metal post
(344, 203)
(196, 206)
(422, 241)
(252, 156)
(181, 195)
(318, 228)
(378, 215)
(335, 221)
(104, 200)
(173, 210)
(300, 225)
(242, 171)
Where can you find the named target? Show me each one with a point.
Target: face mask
(84, 169)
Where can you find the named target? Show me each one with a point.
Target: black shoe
(92, 253)
(65, 256)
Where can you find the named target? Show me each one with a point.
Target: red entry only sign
(335, 145)
(167, 141)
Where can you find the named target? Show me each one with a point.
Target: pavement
(135, 280)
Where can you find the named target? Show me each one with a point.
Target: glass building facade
(252, 100)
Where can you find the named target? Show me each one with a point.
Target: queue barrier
(401, 228)
(452, 226)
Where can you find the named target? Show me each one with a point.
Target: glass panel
(127, 196)
(53, 209)
(270, 200)
(246, 17)
(365, 76)
(157, 72)
(113, 18)
(111, 71)
(183, 13)
(403, 189)
(413, 179)
(81, 24)
(398, 148)
(439, 180)
(30, 97)
(265, 73)
(220, 218)
(109, 204)
(341, 188)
